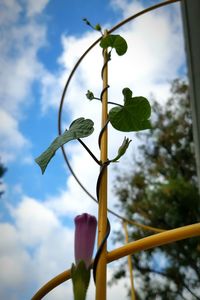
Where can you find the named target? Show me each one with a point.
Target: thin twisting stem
(89, 151)
(101, 132)
(109, 102)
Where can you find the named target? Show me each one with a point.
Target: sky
(40, 42)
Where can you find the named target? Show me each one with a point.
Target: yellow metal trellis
(133, 296)
(146, 243)
(101, 276)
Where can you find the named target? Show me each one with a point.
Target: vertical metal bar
(191, 22)
(133, 296)
(101, 274)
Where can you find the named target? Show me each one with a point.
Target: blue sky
(40, 43)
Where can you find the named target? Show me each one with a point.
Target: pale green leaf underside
(79, 128)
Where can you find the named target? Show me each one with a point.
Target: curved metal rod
(62, 102)
(146, 10)
(146, 243)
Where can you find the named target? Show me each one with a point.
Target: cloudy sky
(40, 42)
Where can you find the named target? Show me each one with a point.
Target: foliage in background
(161, 191)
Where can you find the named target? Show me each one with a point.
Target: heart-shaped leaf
(79, 128)
(133, 116)
(114, 41)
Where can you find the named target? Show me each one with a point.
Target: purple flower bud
(85, 231)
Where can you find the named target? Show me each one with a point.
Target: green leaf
(80, 280)
(114, 41)
(98, 27)
(127, 94)
(90, 95)
(133, 116)
(122, 149)
(79, 128)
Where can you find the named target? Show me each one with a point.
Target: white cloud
(20, 67)
(52, 84)
(33, 249)
(29, 216)
(9, 10)
(35, 7)
(15, 263)
(12, 141)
